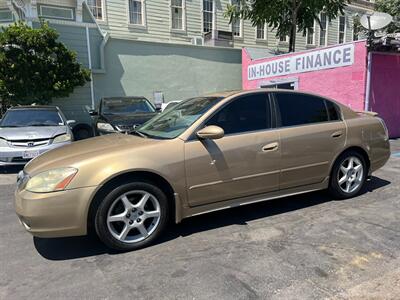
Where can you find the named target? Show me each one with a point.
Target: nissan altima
(205, 154)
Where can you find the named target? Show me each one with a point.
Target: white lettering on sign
(334, 57)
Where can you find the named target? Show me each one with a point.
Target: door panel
(232, 167)
(307, 152)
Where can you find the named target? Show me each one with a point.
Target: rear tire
(132, 216)
(348, 176)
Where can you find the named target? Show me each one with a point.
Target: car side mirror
(71, 122)
(93, 113)
(210, 132)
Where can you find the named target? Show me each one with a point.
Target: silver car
(28, 131)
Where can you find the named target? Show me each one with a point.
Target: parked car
(208, 153)
(122, 114)
(28, 131)
(169, 105)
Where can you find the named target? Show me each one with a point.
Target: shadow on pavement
(78, 247)
(10, 169)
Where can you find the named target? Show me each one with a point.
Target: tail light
(385, 128)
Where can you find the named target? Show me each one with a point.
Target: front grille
(124, 127)
(20, 159)
(29, 143)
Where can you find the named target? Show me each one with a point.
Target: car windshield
(174, 121)
(171, 105)
(31, 117)
(126, 106)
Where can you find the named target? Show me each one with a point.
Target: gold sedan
(204, 154)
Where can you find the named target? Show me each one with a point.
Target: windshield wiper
(42, 125)
(141, 134)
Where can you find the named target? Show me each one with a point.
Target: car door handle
(337, 134)
(270, 147)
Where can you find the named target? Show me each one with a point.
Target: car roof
(39, 107)
(124, 97)
(346, 111)
(271, 90)
(224, 94)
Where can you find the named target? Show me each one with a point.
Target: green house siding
(157, 25)
(179, 71)
(74, 37)
(96, 39)
(6, 15)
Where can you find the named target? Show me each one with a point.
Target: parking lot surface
(300, 247)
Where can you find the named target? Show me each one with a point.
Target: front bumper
(57, 214)
(11, 156)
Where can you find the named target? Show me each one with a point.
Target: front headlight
(62, 138)
(105, 127)
(51, 181)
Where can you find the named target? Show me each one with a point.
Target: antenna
(376, 20)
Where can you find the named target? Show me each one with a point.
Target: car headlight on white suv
(105, 127)
(3, 143)
(51, 181)
(62, 138)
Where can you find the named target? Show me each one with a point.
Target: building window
(261, 33)
(56, 12)
(284, 39)
(323, 30)
(208, 12)
(342, 29)
(6, 15)
(136, 16)
(96, 6)
(237, 22)
(177, 14)
(356, 32)
(310, 36)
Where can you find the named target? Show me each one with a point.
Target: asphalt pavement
(299, 247)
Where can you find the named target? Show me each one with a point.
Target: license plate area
(30, 154)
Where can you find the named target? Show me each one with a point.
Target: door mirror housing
(71, 122)
(93, 113)
(210, 132)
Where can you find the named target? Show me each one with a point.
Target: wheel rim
(350, 174)
(133, 216)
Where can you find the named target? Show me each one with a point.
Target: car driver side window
(246, 113)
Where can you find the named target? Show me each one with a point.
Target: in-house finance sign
(334, 57)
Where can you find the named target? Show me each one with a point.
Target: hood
(129, 119)
(77, 152)
(31, 132)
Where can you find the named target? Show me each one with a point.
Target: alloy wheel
(350, 175)
(133, 216)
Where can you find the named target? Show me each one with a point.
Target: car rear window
(300, 109)
(333, 111)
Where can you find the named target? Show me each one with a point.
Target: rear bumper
(378, 163)
(380, 158)
(14, 156)
(57, 214)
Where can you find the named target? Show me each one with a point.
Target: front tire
(348, 176)
(132, 216)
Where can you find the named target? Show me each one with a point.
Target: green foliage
(391, 7)
(35, 67)
(286, 16)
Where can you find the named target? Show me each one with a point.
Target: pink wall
(344, 84)
(385, 90)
